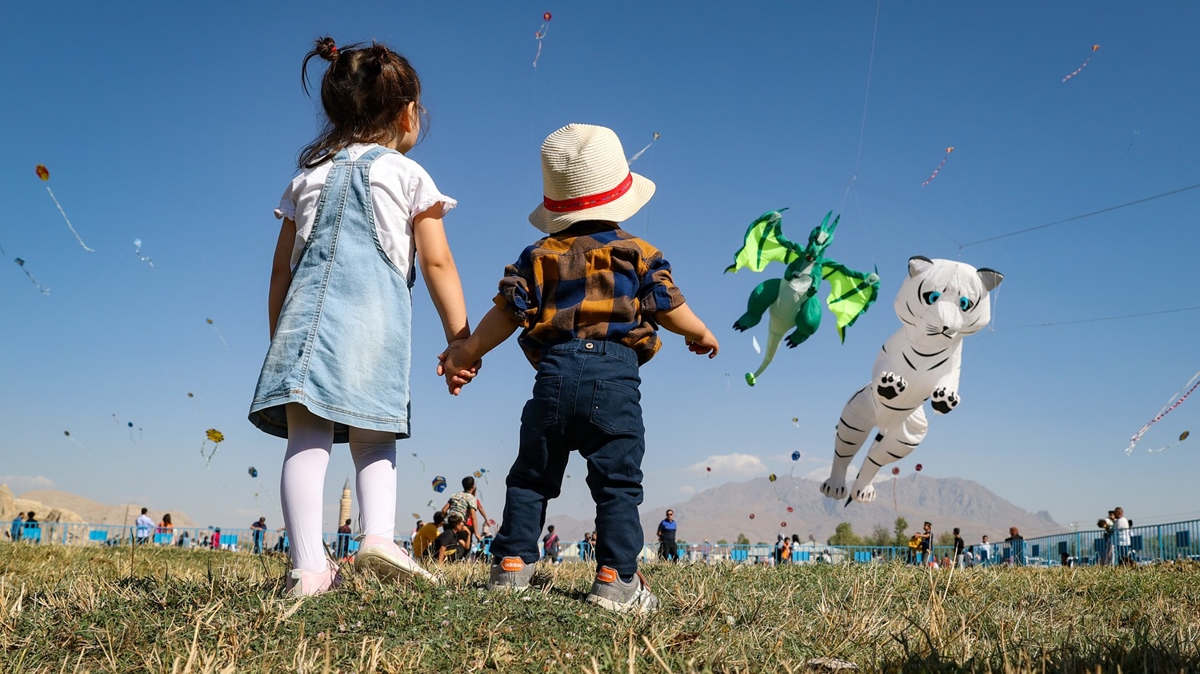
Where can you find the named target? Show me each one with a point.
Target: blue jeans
(585, 398)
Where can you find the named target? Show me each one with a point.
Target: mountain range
(758, 508)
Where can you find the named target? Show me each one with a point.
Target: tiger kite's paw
(835, 489)
(891, 385)
(943, 401)
(864, 495)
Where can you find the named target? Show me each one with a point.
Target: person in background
(165, 526)
(416, 528)
(1122, 538)
(959, 545)
(550, 545)
(1017, 544)
(144, 526)
(983, 551)
(668, 549)
(216, 539)
(259, 530)
(422, 541)
(342, 549)
(185, 541)
(448, 546)
(925, 545)
(18, 524)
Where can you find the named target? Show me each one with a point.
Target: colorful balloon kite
(771, 477)
(253, 471)
(751, 515)
(918, 467)
(137, 250)
(896, 471)
(783, 525)
(1095, 48)
(223, 343)
(540, 35)
(439, 484)
(939, 167)
(792, 301)
(1175, 401)
(789, 509)
(44, 174)
(214, 436)
(637, 154)
(796, 455)
(939, 303)
(21, 263)
(416, 516)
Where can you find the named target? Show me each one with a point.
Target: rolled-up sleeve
(656, 290)
(514, 295)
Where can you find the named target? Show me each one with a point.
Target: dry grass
(84, 609)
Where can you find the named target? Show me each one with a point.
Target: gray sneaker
(512, 574)
(610, 592)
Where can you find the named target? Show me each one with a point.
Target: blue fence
(1145, 544)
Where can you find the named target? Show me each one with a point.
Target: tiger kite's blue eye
(931, 296)
(965, 303)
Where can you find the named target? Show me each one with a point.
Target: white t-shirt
(400, 189)
(1121, 525)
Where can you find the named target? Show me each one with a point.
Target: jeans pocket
(542, 408)
(616, 408)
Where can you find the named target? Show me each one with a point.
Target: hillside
(723, 512)
(93, 512)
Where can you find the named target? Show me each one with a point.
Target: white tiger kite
(939, 303)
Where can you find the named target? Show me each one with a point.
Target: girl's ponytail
(326, 48)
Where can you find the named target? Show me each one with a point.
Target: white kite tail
(69, 225)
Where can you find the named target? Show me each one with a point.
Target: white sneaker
(388, 560)
(302, 583)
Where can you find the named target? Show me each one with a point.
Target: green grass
(82, 609)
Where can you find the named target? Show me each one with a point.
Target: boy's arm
(281, 273)
(497, 325)
(682, 321)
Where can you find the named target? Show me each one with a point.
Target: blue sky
(180, 126)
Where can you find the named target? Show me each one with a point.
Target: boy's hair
(453, 521)
(956, 531)
(550, 529)
(362, 92)
(928, 524)
(439, 517)
(468, 482)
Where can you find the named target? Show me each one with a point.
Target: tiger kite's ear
(990, 277)
(918, 264)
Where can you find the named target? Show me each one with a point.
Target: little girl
(340, 305)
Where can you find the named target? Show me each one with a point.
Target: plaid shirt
(592, 281)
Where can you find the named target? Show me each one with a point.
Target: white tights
(301, 488)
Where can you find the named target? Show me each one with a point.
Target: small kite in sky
(214, 436)
(1177, 400)
(918, 467)
(751, 515)
(214, 327)
(137, 250)
(796, 455)
(21, 264)
(540, 35)
(1182, 436)
(439, 484)
(939, 167)
(414, 455)
(77, 443)
(1095, 48)
(252, 471)
(783, 525)
(637, 154)
(772, 477)
(416, 516)
(44, 174)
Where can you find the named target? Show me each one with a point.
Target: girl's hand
(457, 374)
(706, 344)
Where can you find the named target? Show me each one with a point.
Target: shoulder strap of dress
(375, 153)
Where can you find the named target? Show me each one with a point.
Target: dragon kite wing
(851, 293)
(765, 243)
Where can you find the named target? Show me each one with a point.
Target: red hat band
(589, 201)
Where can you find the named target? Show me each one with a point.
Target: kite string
(69, 225)
(1167, 409)
(1099, 319)
(862, 129)
(1085, 215)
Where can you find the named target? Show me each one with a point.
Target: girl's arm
(281, 272)
(497, 325)
(440, 274)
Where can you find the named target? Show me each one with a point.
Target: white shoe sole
(389, 566)
(640, 605)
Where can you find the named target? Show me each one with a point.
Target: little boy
(589, 298)
(448, 546)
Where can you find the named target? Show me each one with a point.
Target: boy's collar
(587, 227)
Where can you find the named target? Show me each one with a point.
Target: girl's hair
(167, 518)
(362, 93)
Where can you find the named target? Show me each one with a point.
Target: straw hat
(585, 177)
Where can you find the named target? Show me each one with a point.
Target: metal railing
(1143, 545)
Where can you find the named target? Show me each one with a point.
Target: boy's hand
(457, 373)
(706, 344)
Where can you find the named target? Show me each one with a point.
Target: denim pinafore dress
(342, 347)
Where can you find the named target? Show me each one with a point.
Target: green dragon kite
(792, 299)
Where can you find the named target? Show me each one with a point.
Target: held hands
(707, 343)
(457, 373)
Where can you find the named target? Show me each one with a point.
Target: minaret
(344, 507)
